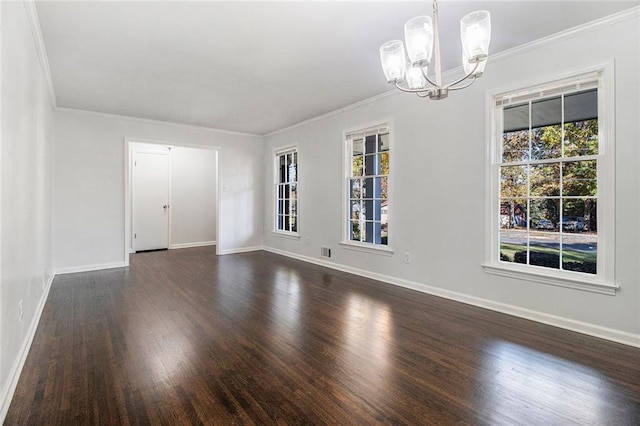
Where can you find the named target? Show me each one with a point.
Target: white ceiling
(256, 67)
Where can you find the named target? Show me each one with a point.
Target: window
(548, 175)
(286, 191)
(367, 186)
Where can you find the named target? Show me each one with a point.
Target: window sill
(287, 235)
(367, 248)
(530, 274)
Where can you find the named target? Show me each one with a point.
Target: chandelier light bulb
(393, 61)
(415, 79)
(418, 34)
(475, 32)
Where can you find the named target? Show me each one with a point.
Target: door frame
(128, 189)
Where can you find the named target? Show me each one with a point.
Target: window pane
(371, 166)
(292, 172)
(545, 214)
(357, 166)
(355, 232)
(513, 228)
(369, 210)
(369, 188)
(280, 222)
(515, 146)
(368, 232)
(286, 191)
(383, 161)
(545, 180)
(546, 142)
(282, 174)
(280, 191)
(384, 222)
(286, 223)
(355, 186)
(581, 138)
(579, 253)
(544, 249)
(516, 118)
(294, 191)
(579, 178)
(294, 224)
(370, 143)
(513, 181)
(383, 142)
(355, 210)
(579, 215)
(286, 210)
(546, 112)
(383, 187)
(377, 210)
(358, 147)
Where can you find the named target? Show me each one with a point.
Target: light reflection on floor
(285, 306)
(517, 379)
(368, 337)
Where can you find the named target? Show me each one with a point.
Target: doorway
(171, 196)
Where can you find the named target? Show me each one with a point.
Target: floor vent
(325, 252)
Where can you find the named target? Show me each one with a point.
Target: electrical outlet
(21, 309)
(407, 257)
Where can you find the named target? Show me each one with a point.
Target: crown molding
(597, 24)
(36, 31)
(150, 121)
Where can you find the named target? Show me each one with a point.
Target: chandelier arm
(423, 95)
(426, 77)
(465, 77)
(473, 80)
(404, 89)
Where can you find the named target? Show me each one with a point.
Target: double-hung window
(286, 191)
(367, 183)
(552, 201)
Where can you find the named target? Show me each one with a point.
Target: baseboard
(189, 245)
(18, 365)
(618, 336)
(88, 268)
(240, 250)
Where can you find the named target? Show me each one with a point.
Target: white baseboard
(188, 245)
(88, 268)
(556, 321)
(240, 250)
(16, 369)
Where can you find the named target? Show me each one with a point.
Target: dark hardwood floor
(185, 337)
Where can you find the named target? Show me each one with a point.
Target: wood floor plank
(185, 337)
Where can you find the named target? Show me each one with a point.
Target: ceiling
(257, 67)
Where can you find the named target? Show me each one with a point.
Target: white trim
(505, 54)
(41, 51)
(150, 121)
(16, 369)
(240, 250)
(368, 248)
(604, 282)
(89, 268)
(618, 336)
(189, 245)
(545, 276)
(284, 234)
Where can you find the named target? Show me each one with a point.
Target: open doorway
(171, 196)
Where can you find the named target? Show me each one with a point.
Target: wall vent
(325, 252)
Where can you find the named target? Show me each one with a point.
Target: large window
(286, 191)
(549, 175)
(367, 186)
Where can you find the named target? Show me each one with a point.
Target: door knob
(166, 206)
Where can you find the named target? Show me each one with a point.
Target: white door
(150, 201)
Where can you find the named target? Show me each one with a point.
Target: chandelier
(422, 38)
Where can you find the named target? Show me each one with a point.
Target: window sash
(286, 191)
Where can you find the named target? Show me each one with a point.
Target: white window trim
(604, 281)
(346, 243)
(275, 156)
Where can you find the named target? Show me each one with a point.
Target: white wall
(438, 188)
(193, 196)
(25, 197)
(193, 193)
(89, 184)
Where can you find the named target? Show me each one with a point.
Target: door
(150, 201)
